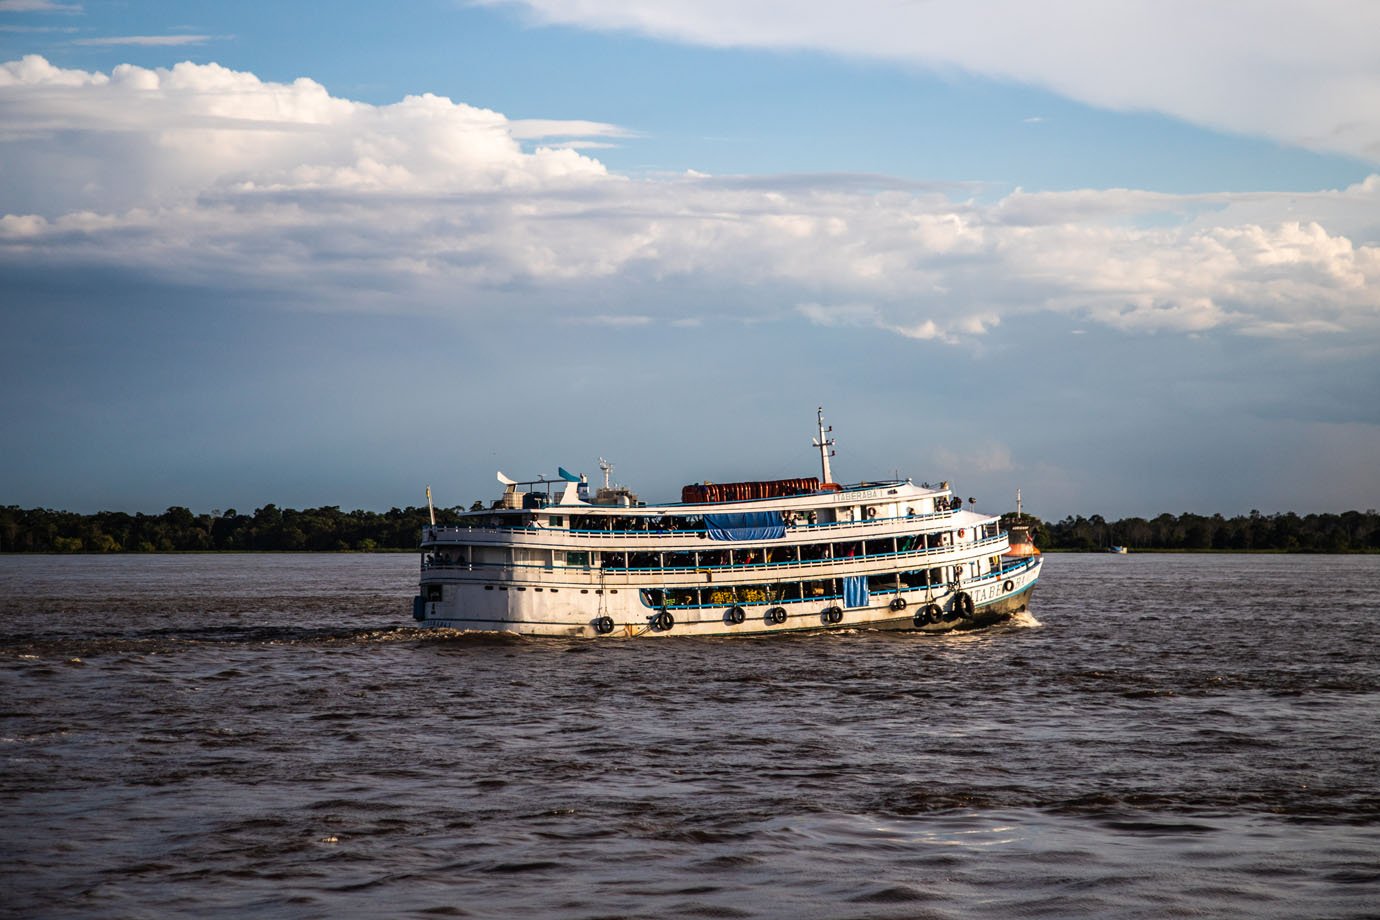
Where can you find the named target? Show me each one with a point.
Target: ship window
(503, 587)
(521, 588)
(433, 592)
(584, 590)
(580, 559)
(488, 587)
(613, 590)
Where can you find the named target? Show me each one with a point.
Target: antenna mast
(826, 447)
(607, 468)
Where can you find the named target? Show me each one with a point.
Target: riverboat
(730, 559)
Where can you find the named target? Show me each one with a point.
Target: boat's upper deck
(867, 508)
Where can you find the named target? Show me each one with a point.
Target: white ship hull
(523, 610)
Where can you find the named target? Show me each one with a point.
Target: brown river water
(269, 736)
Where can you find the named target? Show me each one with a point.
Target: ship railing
(939, 589)
(783, 565)
(430, 534)
(662, 533)
(1016, 565)
(833, 562)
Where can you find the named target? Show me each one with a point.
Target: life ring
(831, 614)
(735, 615)
(603, 625)
(776, 616)
(960, 533)
(871, 513)
(898, 604)
(963, 605)
(1008, 585)
(663, 621)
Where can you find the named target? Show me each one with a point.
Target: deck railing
(778, 566)
(661, 534)
(966, 584)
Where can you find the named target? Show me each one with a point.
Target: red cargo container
(745, 491)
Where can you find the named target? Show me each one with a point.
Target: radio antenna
(826, 447)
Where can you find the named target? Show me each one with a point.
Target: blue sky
(1124, 257)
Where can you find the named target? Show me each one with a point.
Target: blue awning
(755, 525)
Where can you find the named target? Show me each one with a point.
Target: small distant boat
(1021, 543)
(1119, 550)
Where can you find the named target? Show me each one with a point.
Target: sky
(1124, 257)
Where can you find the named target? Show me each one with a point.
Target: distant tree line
(1349, 532)
(269, 528)
(329, 529)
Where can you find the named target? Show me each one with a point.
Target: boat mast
(607, 468)
(826, 448)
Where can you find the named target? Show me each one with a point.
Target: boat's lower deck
(584, 613)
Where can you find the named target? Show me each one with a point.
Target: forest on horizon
(329, 529)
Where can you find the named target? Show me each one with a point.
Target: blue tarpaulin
(855, 590)
(756, 525)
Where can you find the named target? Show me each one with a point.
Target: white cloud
(38, 6)
(534, 128)
(603, 319)
(143, 137)
(147, 40)
(206, 175)
(1299, 72)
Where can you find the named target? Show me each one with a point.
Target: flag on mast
(429, 508)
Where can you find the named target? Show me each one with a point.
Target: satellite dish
(505, 480)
